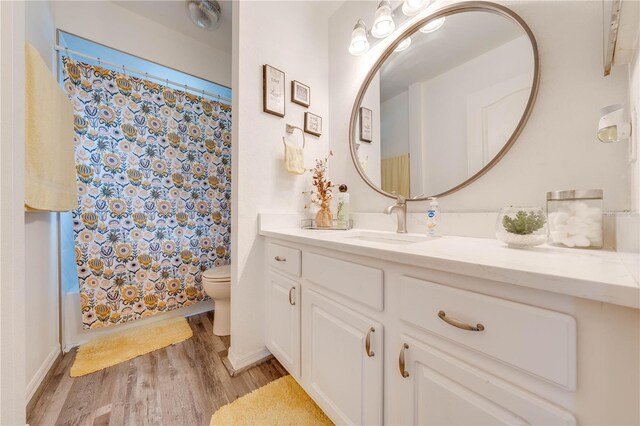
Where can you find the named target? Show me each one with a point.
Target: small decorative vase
(324, 218)
(521, 227)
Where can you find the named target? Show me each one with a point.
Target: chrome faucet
(400, 207)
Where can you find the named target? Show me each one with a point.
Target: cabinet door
(283, 321)
(434, 388)
(342, 360)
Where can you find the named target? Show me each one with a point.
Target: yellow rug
(281, 402)
(108, 351)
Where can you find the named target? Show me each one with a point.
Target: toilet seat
(218, 274)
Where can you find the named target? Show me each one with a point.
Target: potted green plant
(521, 227)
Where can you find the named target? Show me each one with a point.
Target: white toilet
(217, 284)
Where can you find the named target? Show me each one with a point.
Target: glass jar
(575, 218)
(521, 227)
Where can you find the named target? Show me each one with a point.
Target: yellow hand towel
(49, 153)
(294, 159)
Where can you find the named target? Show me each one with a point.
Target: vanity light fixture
(359, 42)
(404, 45)
(413, 7)
(383, 24)
(613, 127)
(432, 26)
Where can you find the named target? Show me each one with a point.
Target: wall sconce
(613, 127)
(413, 7)
(359, 42)
(384, 25)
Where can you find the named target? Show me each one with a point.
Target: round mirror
(445, 101)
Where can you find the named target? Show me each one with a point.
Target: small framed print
(300, 93)
(273, 90)
(312, 124)
(366, 118)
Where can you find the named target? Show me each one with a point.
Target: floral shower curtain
(154, 187)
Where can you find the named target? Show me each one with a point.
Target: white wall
(12, 250)
(41, 237)
(291, 36)
(634, 100)
(445, 100)
(107, 23)
(394, 125)
(556, 150)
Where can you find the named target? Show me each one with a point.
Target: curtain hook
(218, 98)
(167, 81)
(124, 70)
(99, 63)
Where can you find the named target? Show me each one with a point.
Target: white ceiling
(463, 37)
(173, 14)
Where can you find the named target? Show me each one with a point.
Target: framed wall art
(312, 124)
(366, 124)
(300, 93)
(273, 90)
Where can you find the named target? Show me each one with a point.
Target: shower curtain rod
(142, 73)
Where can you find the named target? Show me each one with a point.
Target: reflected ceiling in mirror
(436, 113)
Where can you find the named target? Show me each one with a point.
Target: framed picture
(312, 124)
(366, 118)
(300, 94)
(273, 90)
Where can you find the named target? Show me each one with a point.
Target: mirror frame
(470, 6)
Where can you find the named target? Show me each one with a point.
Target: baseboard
(36, 384)
(242, 362)
(75, 335)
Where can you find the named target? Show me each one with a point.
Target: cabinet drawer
(284, 258)
(538, 341)
(360, 283)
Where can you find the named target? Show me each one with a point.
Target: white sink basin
(389, 237)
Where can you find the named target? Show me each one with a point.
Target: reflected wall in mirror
(448, 107)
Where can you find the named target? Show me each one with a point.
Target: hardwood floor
(179, 385)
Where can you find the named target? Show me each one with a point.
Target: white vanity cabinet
(342, 354)
(434, 388)
(375, 341)
(282, 308)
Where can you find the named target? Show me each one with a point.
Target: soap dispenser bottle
(433, 217)
(342, 207)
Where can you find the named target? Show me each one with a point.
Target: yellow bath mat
(108, 351)
(281, 402)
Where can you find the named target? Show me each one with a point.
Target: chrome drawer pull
(404, 373)
(280, 259)
(459, 324)
(367, 343)
(291, 300)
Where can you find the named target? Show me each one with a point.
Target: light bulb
(433, 26)
(404, 45)
(359, 42)
(383, 25)
(412, 7)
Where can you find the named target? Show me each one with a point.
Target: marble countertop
(591, 274)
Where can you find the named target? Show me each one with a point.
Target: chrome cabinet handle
(403, 372)
(280, 259)
(291, 300)
(367, 343)
(459, 324)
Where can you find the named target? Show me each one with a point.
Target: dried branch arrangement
(322, 195)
